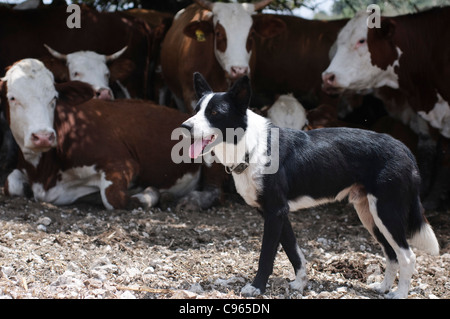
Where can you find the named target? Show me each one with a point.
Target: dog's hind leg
(388, 220)
(391, 264)
(295, 255)
(358, 197)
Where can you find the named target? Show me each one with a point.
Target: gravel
(84, 251)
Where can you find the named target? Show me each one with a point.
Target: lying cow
(92, 68)
(71, 145)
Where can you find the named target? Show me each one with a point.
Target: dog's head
(217, 113)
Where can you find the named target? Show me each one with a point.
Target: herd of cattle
(85, 105)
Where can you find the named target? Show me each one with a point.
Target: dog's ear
(240, 92)
(201, 87)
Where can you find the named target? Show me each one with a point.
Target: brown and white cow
(408, 52)
(23, 33)
(71, 145)
(214, 39)
(92, 68)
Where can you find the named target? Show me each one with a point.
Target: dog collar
(239, 168)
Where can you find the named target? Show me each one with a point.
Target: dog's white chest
(248, 187)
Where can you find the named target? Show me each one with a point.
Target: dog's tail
(421, 234)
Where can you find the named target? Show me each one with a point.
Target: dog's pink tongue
(196, 148)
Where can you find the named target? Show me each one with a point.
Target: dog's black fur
(320, 164)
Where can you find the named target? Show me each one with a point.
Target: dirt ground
(84, 251)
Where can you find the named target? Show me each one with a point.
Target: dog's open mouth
(199, 145)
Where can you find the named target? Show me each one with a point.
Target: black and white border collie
(377, 173)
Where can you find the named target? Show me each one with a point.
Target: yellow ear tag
(200, 35)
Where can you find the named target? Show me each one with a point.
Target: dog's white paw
(379, 287)
(300, 281)
(396, 295)
(298, 285)
(250, 291)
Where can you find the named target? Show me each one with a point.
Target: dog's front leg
(273, 225)
(295, 255)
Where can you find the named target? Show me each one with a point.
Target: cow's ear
(240, 93)
(387, 28)
(74, 92)
(199, 30)
(201, 87)
(268, 27)
(121, 69)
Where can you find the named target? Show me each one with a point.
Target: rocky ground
(84, 251)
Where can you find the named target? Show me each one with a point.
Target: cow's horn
(208, 5)
(261, 4)
(114, 56)
(55, 53)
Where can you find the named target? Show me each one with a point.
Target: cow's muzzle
(104, 94)
(329, 84)
(237, 72)
(43, 140)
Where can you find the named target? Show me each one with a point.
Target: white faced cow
(408, 52)
(214, 39)
(90, 67)
(351, 66)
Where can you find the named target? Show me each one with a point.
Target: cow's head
(232, 27)
(359, 62)
(28, 98)
(90, 67)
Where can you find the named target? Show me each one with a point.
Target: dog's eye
(214, 113)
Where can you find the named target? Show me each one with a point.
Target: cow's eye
(75, 74)
(362, 41)
(214, 113)
(12, 98)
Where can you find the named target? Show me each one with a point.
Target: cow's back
(293, 61)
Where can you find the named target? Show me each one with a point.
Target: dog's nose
(187, 126)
